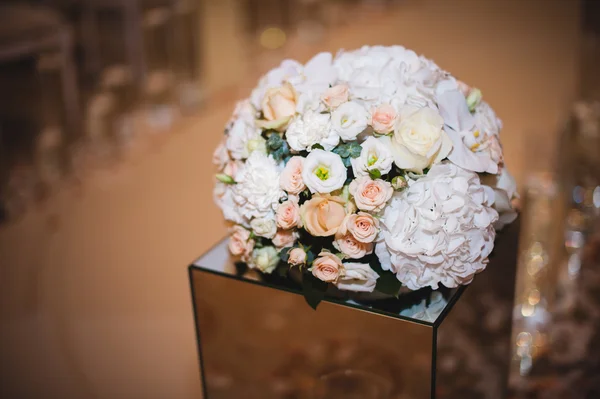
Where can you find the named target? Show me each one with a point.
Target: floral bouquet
(369, 171)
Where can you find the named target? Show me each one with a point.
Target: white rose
(439, 230)
(257, 191)
(357, 277)
(349, 120)
(419, 140)
(374, 155)
(264, 259)
(323, 172)
(264, 227)
(310, 129)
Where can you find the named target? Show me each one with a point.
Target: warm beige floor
(93, 286)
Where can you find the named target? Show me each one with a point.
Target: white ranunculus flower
(223, 196)
(264, 259)
(240, 138)
(439, 230)
(264, 227)
(323, 172)
(503, 191)
(419, 140)
(374, 155)
(349, 120)
(310, 129)
(257, 191)
(475, 141)
(357, 277)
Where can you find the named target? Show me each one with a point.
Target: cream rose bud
(279, 103)
(350, 247)
(362, 226)
(370, 195)
(349, 120)
(323, 172)
(297, 257)
(285, 239)
(374, 155)
(238, 240)
(291, 177)
(419, 140)
(357, 277)
(322, 215)
(288, 215)
(264, 227)
(383, 118)
(264, 259)
(335, 96)
(327, 267)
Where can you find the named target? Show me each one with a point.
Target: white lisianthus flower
(323, 172)
(374, 155)
(439, 230)
(357, 277)
(264, 259)
(310, 129)
(503, 194)
(349, 120)
(264, 227)
(257, 191)
(419, 140)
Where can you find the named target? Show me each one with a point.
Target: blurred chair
(29, 31)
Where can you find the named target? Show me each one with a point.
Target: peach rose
(323, 215)
(383, 118)
(297, 257)
(370, 195)
(288, 215)
(290, 179)
(327, 267)
(240, 243)
(362, 226)
(284, 238)
(351, 247)
(279, 103)
(335, 96)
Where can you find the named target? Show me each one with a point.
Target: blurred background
(109, 113)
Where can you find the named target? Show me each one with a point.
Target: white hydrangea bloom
(257, 191)
(439, 230)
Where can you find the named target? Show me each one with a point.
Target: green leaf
(223, 178)
(355, 150)
(387, 283)
(375, 174)
(274, 141)
(347, 162)
(284, 255)
(317, 147)
(342, 150)
(282, 270)
(313, 290)
(310, 257)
